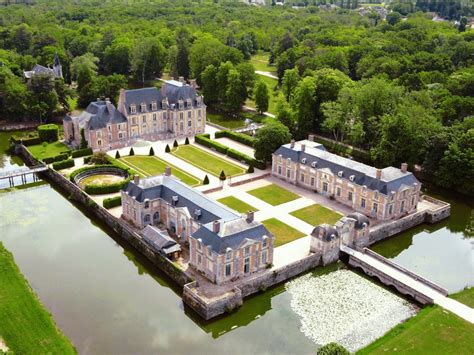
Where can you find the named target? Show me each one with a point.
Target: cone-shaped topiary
(152, 152)
(222, 176)
(117, 155)
(131, 152)
(206, 180)
(250, 169)
(167, 149)
(175, 144)
(186, 141)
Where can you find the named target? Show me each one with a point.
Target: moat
(107, 299)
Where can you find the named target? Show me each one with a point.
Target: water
(9, 163)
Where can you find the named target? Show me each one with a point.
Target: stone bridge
(23, 173)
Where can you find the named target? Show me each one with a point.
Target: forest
(401, 88)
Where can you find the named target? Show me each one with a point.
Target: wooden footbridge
(405, 281)
(23, 174)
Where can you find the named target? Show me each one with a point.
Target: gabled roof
(98, 114)
(160, 240)
(315, 156)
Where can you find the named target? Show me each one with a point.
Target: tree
(43, 99)
(333, 349)
(303, 104)
(84, 69)
(132, 152)
(250, 169)
(206, 180)
(222, 176)
(84, 143)
(235, 93)
(152, 152)
(167, 149)
(393, 18)
(289, 83)
(117, 155)
(208, 85)
(186, 141)
(148, 59)
(261, 96)
(182, 57)
(175, 144)
(269, 138)
(285, 115)
(117, 57)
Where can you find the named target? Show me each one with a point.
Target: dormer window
(352, 177)
(288, 161)
(199, 244)
(313, 164)
(198, 101)
(264, 244)
(143, 108)
(303, 161)
(228, 255)
(188, 103)
(164, 104)
(340, 173)
(153, 106)
(181, 104)
(133, 108)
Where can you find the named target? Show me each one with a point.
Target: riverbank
(432, 331)
(26, 326)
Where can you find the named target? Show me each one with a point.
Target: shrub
(132, 152)
(117, 155)
(112, 202)
(207, 142)
(59, 157)
(152, 152)
(245, 158)
(238, 137)
(63, 164)
(48, 132)
(175, 144)
(222, 176)
(186, 142)
(99, 158)
(167, 149)
(333, 349)
(101, 189)
(87, 159)
(26, 141)
(81, 152)
(206, 180)
(250, 169)
(83, 139)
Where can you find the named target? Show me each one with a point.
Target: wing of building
(174, 110)
(378, 193)
(56, 71)
(223, 244)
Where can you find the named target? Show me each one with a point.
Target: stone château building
(175, 110)
(381, 194)
(223, 244)
(56, 71)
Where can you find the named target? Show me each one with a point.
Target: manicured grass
(273, 91)
(466, 296)
(207, 161)
(49, 150)
(236, 204)
(227, 121)
(274, 194)
(25, 325)
(260, 62)
(432, 331)
(316, 215)
(151, 165)
(283, 232)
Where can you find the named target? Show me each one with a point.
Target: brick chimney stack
(168, 171)
(303, 147)
(250, 216)
(311, 137)
(378, 174)
(404, 167)
(136, 179)
(216, 226)
(292, 144)
(181, 79)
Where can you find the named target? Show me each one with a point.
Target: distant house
(382, 194)
(175, 110)
(56, 71)
(223, 244)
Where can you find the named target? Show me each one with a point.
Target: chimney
(167, 171)
(250, 215)
(378, 174)
(136, 179)
(311, 137)
(193, 83)
(404, 167)
(216, 226)
(98, 99)
(181, 79)
(292, 144)
(303, 147)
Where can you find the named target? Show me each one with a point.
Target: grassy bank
(432, 331)
(26, 326)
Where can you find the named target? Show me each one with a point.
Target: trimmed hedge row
(112, 202)
(59, 157)
(238, 137)
(27, 141)
(101, 189)
(48, 132)
(87, 159)
(81, 152)
(63, 164)
(207, 142)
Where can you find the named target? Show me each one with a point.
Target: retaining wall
(245, 181)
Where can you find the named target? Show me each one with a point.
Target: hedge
(59, 157)
(81, 152)
(27, 141)
(238, 137)
(243, 157)
(48, 132)
(87, 159)
(63, 164)
(100, 189)
(112, 202)
(207, 142)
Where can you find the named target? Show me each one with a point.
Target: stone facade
(382, 194)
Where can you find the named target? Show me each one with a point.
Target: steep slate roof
(233, 227)
(98, 114)
(328, 232)
(38, 69)
(360, 219)
(392, 178)
(160, 240)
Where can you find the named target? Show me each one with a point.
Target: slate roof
(360, 219)
(39, 69)
(315, 156)
(98, 114)
(328, 232)
(160, 240)
(233, 227)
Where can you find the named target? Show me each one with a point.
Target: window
(390, 210)
(228, 269)
(376, 195)
(181, 115)
(302, 177)
(199, 259)
(134, 120)
(99, 142)
(279, 170)
(199, 113)
(247, 265)
(154, 117)
(412, 201)
(156, 216)
(228, 256)
(362, 202)
(181, 126)
(375, 207)
(402, 206)
(153, 106)
(209, 252)
(189, 114)
(325, 187)
(99, 134)
(312, 181)
(247, 250)
(349, 196)
(338, 191)
(264, 244)
(189, 123)
(133, 109)
(120, 136)
(264, 257)
(147, 218)
(147, 204)
(144, 119)
(143, 108)
(108, 126)
(288, 173)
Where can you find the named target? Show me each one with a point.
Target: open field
(49, 150)
(236, 204)
(316, 215)
(226, 121)
(26, 326)
(283, 232)
(273, 102)
(260, 62)
(432, 331)
(151, 166)
(207, 161)
(273, 194)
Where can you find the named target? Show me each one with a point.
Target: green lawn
(466, 296)
(273, 91)
(236, 204)
(316, 215)
(26, 326)
(283, 232)
(207, 161)
(274, 194)
(226, 121)
(49, 150)
(260, 62)
(151, 166)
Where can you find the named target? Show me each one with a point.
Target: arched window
(156, 216)
(147, 218)
(147, 204)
